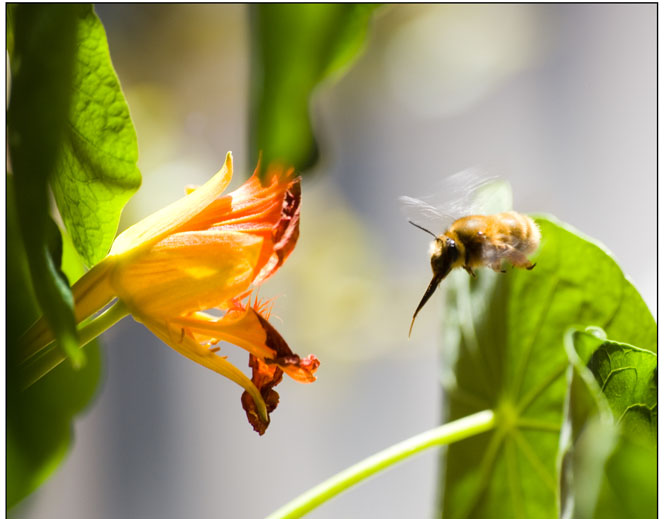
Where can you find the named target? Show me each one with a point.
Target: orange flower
(202, 252)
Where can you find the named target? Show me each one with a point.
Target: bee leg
(469, 270)
(496, 267)
(519, 259)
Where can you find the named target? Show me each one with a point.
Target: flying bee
(476, 240)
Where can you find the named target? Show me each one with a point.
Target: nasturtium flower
(209, 251)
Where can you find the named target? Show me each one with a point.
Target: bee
(476, 240)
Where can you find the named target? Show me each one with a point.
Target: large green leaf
(294, 47)
(608, 452)
(504, 351)
(96, 172)
(39, 426)
(42, 44)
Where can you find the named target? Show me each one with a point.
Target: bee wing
(493, 195)
(425, 214)
(468, 192)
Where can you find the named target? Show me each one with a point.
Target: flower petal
(177, 339)
(268, 373)
(285, 233)
(170, 218)
(239, 327)
(269, 355)
(301, 370)
(251, 202)
(264, 378)
(187, 272)
(270, 210)
(249, 330)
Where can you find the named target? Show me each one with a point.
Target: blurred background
(558, 99)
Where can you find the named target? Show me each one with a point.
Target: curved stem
(41, 364)
(445, 434)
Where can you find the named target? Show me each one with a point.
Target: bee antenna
(420, 227)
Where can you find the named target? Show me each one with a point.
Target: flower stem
(449, 433)
(99, 325)
(45, 361)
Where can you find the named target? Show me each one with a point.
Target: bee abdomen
(525, 233)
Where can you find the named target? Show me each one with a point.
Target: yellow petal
(167, 220)
(186, 346)
(187, 272)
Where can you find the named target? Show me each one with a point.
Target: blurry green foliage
(42, 41)
(67, 125)
(39, 428)
(294, 48)
(504, 351)
(609, 449)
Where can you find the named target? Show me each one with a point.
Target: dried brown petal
(264, 378)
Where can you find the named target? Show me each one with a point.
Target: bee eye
(452, 251)
(445, 257)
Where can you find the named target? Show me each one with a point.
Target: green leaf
(608, 456)
(628, 378)
(42, 44)
(39, 419)
(629, 488)
(295, 47)
(589, 434)
(96, 173)
(504, 351)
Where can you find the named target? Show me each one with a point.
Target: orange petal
(170, 218)
(239, 327)
(187, 272)
(252, 332)
(186, 346)
(252, 202)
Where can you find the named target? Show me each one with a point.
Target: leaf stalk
(38, 366)
(443, 435)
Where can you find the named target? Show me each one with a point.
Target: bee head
(444, 256)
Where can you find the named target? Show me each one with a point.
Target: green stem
(99, 325)
(451, 432)
(45, 361)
